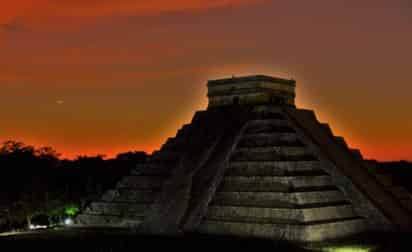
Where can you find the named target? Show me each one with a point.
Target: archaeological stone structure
(254, 165)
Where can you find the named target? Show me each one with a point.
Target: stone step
(110, 195)
(191, 143)
(400, 192)
(187, 132)
(294, 232)
(165, 156)
(174, 140)
(141, 182)
(356, 153)
(341, 141)
(269, 128)
(265, 122)
(327, 129)
(199, 115)
(278, 199)
(128, 195)
(282, 168)
(184, 131)
(173, 144)
(117, 209)
(269, 139)
(272, 172)
(106, 221)
(268, 112)
(407, 203)
(261, 167)
(272, 154)
(371, 166)
(155, 169)
(384, 179)
(273, 183)
(278, 215)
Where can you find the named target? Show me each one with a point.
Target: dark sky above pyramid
(126, 76)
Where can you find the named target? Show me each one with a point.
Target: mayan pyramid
(254, 165)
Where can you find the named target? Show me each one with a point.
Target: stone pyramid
(254, 165)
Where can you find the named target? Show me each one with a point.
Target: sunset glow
(103, 77)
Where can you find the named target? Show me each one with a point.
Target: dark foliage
(36, 182)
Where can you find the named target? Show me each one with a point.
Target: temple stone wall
(251, 90)
(251, 98)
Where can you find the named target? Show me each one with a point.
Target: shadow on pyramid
(253, 165)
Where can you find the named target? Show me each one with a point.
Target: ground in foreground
(125, 240)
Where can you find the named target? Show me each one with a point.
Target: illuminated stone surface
(253, 165)
(252, 90)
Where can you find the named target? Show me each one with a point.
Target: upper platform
(251, 90)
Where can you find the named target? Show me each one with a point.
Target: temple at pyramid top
(267, 170)
(254, 89)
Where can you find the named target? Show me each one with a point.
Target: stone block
(290, 232)
(165, 156)
(141, 182)
(340, 140)
(117, 209)
(356, 153)
(271, 154)
(155, 169)
(275, 168)
(86, 220)
(273, 183)
(279, 215)
(333, 230)
(134, 196)
(407, 203)
(269, 139)
(278, 199)
(269, 126)
(277, 165)
(384, 179)
(400, 192)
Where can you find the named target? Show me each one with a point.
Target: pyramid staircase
(126, 205)
(138, 195)
(275, 187)
(387, 181)
(387, 205)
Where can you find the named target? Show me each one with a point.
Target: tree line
(36, 182)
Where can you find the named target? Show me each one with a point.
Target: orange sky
(101, 77)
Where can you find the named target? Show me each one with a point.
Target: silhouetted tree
(36, 182)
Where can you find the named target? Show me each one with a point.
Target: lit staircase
(275, 187)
